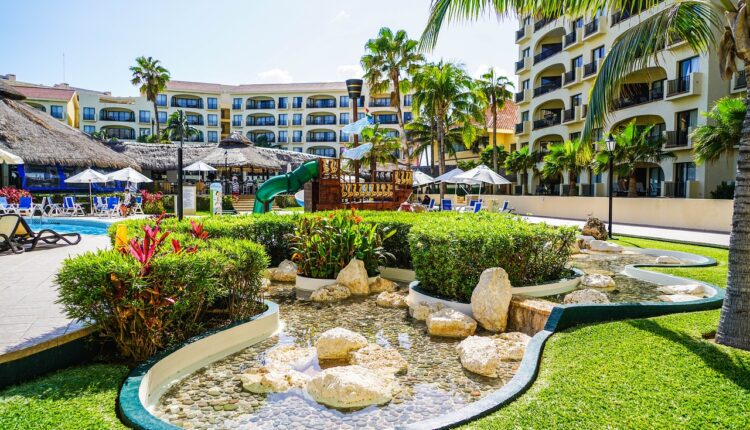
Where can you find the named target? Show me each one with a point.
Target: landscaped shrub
(13, 194)
(152, 202)
(448, 257)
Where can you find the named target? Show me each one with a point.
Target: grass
(75, 398)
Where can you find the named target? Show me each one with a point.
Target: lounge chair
(113, 206)
(22, 235)
(100, 206)
(431, 207)
(51, 208)
(506, 208)
(477, 207)
(8, 225)
(70, 207)
(5, 207)
(446, 205)
(25, 206)
(137, 206)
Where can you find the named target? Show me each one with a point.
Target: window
(144, 116)
(524, 116)
(283, 136)
(56, 111)
(526, 53)
(89, 129)
(360, 115)
(575, 100)
(576, 62)
(597, 135)
(283, 101)
(212, 119)
(323, 152)
(144, 131)
(513, 147)
(344, 101)
(597, 54)
(526, 84)
(297, 119)
(161, 100)
(407, 117)
(343, 137)
(212, 103)
(578, 23)
(688, 66)
(213, 136)
(575, 136)
(683, 173)
(297, 149)
(687, 119)
(407, 100)
(283, 119)
(237, 103)
(297, 102)
(237, 120)
(297, 136)
(162, 117)
(344, 118)
(89, 114)
(361, 101)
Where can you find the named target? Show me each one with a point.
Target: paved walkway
(694, 236)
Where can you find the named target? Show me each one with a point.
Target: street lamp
(180, 209)
(354, 88)
(610, 142)
(226, 168)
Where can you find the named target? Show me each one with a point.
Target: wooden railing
(367, 191)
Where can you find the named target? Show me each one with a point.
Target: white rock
(667, 259)
(379, 359)
(583, 241)
(290, 356)
(214, 391)
(600, 282)
(585, 296)
(351, 387)
(512, 345)
(450, 323)
(693, 289)
(678, 298)
(604, 246)
(265, 380)
(490, 299)
(391, 300)
(379, 285)
(354, 277)
(337, 343)
(480, 355)
(286, 272)
(420, 311)
(330, 293)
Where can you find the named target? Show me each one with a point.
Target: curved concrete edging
(566, 316)
(146, 383)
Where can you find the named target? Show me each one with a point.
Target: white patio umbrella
(481, 174)
(128, 174)
(8, 158)
(88, 176)
(421, 178)
(448, 175)
(199, 166)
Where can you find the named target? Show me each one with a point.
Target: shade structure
(88, 176)
(421, 178)
(481, 174)
(447, 176)
(128, 174)
(8, 158)
(356, 127)
(199, 166)
(357, 153)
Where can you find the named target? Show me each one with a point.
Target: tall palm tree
(520, 162)
(178, 127)
(695, 22)
(151, 78)
(447, 92)
(423, 132)
(571, 156)
(383, 150)
(722, 133)
(389, 63)
(497, 90)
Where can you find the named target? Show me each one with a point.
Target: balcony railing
(194, 120)
(569, 115)
(546, 88)
(520, 64)
(116, 116)
(321, 120)
(550, 51)
(590, 68)
(263, 104)
(321, 104)
(620, 16)
(740, 81)
(570, 76)
(677, 139)
(386, 119)
(547, 122)
(591, 28)
(519, 96)
(570, 38)
(120, 133)
(270, 138)
(330, 137)
(654, 94)
(187, 103)
(380, 102)
(538, 25)
(519, 128)
(520, 33)
(263, 121)
(678, 86)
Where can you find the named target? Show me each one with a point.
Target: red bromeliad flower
(197, 231)
(178, 249)
(13, 195)
(143, 251)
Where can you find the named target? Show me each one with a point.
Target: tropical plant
(423, 133)
(466, 164)
(497, 90)
(13, 194)
(520, 162)
(723, 131)
(571, 156)
(634, 145)
(384, 148)
(489, 154)
(101, 136)
(151, 78)
(262, 142)
(179, 128)
(389, 63)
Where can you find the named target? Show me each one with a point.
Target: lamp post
(610, 142)
(226, 168)
(180, 211)
(354, 88)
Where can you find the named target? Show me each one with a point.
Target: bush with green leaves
(449, 257)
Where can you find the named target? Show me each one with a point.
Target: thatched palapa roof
(161, 156)
(43, 140)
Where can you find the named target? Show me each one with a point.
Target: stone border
(147, 382)
(566, 316)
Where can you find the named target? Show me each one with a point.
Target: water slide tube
(287, 183)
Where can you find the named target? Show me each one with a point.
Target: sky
(227, 42)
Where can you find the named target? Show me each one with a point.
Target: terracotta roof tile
(255, 88)
(45, 93)
(506, 117)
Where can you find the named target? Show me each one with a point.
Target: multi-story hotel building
(304, 117)
(558, 61)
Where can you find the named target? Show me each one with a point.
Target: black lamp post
(610, 142)
(354, 88)
(180, 210)
(226, 168)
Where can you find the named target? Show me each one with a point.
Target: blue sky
(228, 42)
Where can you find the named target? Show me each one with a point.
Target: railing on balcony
(381, 102)
(520, 33)
(105, 115)
(620, 16)
(519, 96)
(740, 81)
(268, 137)
(520, 64)
(262, 121)
(640, 98)
(570, 38)
(538, 25)
(519, 128)
(677, 139)
(187, 103)
(321, 103)
(547, 122)
(678, 86)
(120, 133)
(570, 76)
(569, 115)
(386, 119)
(260, 104)
(195, 138)
(546, 88)
(590, 68)
(550, 51)
(321, 120)
(194, 119)
(321, 137)
(591, 28)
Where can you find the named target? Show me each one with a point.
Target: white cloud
(275, 76)
(341, 16)
(347, 71)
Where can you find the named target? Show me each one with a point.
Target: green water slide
(288, 183)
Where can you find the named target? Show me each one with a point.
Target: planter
(306, 286)
(561, 286)
(397, 275)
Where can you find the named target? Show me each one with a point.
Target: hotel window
(162, 117)
(212, 103)
(56, 111)
(237, 103)
(297, 119)
(683, 173)
(526, 52)
(212, 119)
(213, 136)
(297, 102)
(344, 118)
(575, 100)
(297, 149)
(343, 137)
(361, 101)
(513, 147)
(283, 119)
(297, 136)
(575, 136)
(89, 114)
(283, 136)
(360, 115)
(407, 100)
(283, 101)
(524, 116)
(237, 120)
(526, 84)
(144, 131)
(407, 117)
(89, 129)
(144, 116)
(597, 54)
(161, 99)
(597, 134)
(576, 62)
(344, 101)
(688, 66)
(323, 152)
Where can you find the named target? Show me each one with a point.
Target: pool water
(97, 228)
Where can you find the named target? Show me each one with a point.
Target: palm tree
(423, 132)
(521, 161)
(178, 127)
(389, 62)
(724, 131)
(151, 78)
(447, 93)
(696, 23)
(383, 150)
(571, 156)
(497, 90)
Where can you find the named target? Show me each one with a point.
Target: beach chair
(52, 208)
(137, 208)
(5, 207)
(431, 207)
(22, 235)
(25, 206)
(70, 207)
(100, 206)
(113, 206)
(506, 208)
(477, 207)
(446, 205)
(7, 228)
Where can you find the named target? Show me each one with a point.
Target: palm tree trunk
(432, 147)
(632, 189)
(572, 185)
(734, 324)
(373, 168)
(156, 119)
(494, 140)
(400, 114)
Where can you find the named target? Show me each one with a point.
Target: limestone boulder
(604, 246)
(354, 277)
(676, 298)
(583, 241)
(587, 296)
(267, 380)
(379, 359)
(290, 357)
(391, 300)
(600, 282)
(596, 228)
(667, 259)
(487, 355)
(349, 387)
(286, 272)
(337, 343)
(330, 293)
(490, 299)
(379, 285)
(421, 310)
(450, 323)
(692, 289)
(512, 346)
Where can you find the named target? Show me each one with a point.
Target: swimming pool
(67, 225)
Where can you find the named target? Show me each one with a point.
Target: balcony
(520, 96)
(386, 119)
(546, 88)
(571, 38)
(120, 133)
(655, 94)
(590, 69)
(261, 121)
(522, 127)
(547, 122)
(321, 103)
(321, 120)
(522, 64)
(571, 77)
(740, 81)
(620, 16)
(380, 102)
(547, 53)
(520, 33)
(183, 102)
(684, 86)
(328, 137)
(538, 25)
(569, 115)
(260, 104)
(590, 29)
(119, 116)
(677, 139)
(194, 119)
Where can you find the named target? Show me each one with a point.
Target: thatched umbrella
(236, 150)
(161, 156)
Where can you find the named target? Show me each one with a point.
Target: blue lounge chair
(70, 207)
(446, 205)
(477, 207)
(25, 206)
(5, 207)
(138, 206)
(506, 208)
(113, 206)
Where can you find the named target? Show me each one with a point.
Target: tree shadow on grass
(731, 366)
(72, 383)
